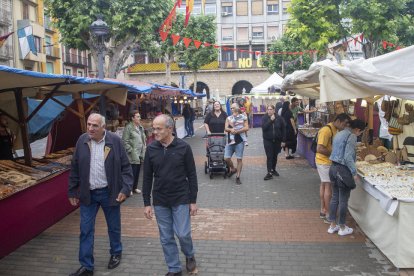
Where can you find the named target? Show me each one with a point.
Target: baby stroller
(215, 163)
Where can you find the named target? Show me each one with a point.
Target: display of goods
(65, 160)
(382, 149)
(54, 155)
(391, 157)
(5, 190)
(15, 178)
(309, 132)
(34, 173)
(370, 157)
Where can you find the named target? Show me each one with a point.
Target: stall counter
(392, 234)
(305, 136)
(29, 212)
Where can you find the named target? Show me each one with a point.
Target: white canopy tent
(389, 74)
(274, 80)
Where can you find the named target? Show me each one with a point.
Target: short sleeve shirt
(216, 124)
(295, 112)
(325, 138)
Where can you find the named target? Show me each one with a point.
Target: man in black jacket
(170, 173)
(274, 138)
(100, 176)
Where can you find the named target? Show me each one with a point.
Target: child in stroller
(216, 142)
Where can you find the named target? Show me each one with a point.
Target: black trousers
(135, 172)
(272, 149)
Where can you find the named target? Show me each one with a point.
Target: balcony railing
(76, 60)
(6, 52)
(52, 52)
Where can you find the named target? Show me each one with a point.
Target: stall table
(29, 212)
(388, 222)
(257, 119)
(305, 136)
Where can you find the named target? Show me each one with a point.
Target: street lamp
(99, 31)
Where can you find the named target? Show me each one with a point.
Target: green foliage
(291, 62)
(137, 18)
(319, 22)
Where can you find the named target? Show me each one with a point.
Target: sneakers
(322, 215)
(190, 264)
(268, 176)
(334, 229)
(238, 182)
(246, 144)
(137, 191)
(275, 173)
(345, 231)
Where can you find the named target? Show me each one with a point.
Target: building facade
(76, 62)
(6, 27)
(247, 25)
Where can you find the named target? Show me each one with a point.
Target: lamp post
(99, 31)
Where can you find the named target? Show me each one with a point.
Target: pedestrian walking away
(343, 175)
(323, 150)
(237, 147)
(170, 176)
(291, 131)
(135, 143)
(100, 176)
(274, 137)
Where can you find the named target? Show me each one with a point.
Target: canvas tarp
(388, 74)
(274, 80)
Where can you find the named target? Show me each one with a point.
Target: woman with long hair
(216, 119)
(291, 132)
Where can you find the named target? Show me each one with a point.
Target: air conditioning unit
(225, 14)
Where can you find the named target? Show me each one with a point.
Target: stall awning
(274, 80)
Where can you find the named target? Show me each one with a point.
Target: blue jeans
(340, 197)
(191, 127)
(99, 197)
(176, 220)
(187, 126)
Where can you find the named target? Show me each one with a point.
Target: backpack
(314, 144)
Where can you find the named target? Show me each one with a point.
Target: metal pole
(102, 98)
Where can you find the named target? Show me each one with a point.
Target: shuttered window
(242, 33)
(257, 7)
(227, 33)
(272, 32)
(242, 8)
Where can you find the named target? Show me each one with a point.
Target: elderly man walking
(100, 176)
(170, 174)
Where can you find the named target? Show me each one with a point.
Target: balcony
(52, 52)
(6, 52)
(75, 60)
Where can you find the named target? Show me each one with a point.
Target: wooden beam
(67, 107)
(23, 127)
(47, 97)
(94, 103)
(10, 116)
(81, 110)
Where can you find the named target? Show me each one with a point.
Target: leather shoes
(82, 271)
(114, 261)
(190, 264)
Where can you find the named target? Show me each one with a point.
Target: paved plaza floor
(257, 228)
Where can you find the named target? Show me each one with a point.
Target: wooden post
(370, 107)
(23, 127)
(81, 110)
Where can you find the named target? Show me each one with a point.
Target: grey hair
(103, 123)
(169, 122)
(236, 107)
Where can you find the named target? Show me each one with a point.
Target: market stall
(33, 192)
(383, 202)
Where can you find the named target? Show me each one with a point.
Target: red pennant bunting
(384, 44)
(197, 43)
(207, 44)
(398, 48)
(179, 2)
(391, 44)
(187, 41)
(175, 39)
(216, 46)
(163, 35)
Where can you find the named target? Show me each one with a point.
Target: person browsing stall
(100, 176)
(170, 176)
(7, 139)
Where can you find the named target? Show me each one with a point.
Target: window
(210, 9)
(242, 8)
(80, 73)
(38, 44)
(272, 7)
(25, 11)
(226, 9)
(227, 55)
(272, 32)
(257, 7)
(243, 52)
(285, 6)
(227, 34)
(243, 33)
(49, 67)
(48, 45)
(68, 71)
(196, 10)
(139, 58)
(257, 32)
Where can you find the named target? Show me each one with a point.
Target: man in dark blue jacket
(170, 174)
(100, 176)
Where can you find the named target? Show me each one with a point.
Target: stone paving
(257, 228)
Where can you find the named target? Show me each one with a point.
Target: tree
(319, 22)
(285, 63)
(133, 23)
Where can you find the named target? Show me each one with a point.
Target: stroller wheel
(205, 167)
(211, 175)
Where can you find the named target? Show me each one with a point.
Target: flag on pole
(4, 38)
(26, 41)
(203, 7)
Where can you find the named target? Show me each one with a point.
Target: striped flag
(26, 41)
(4, 38)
